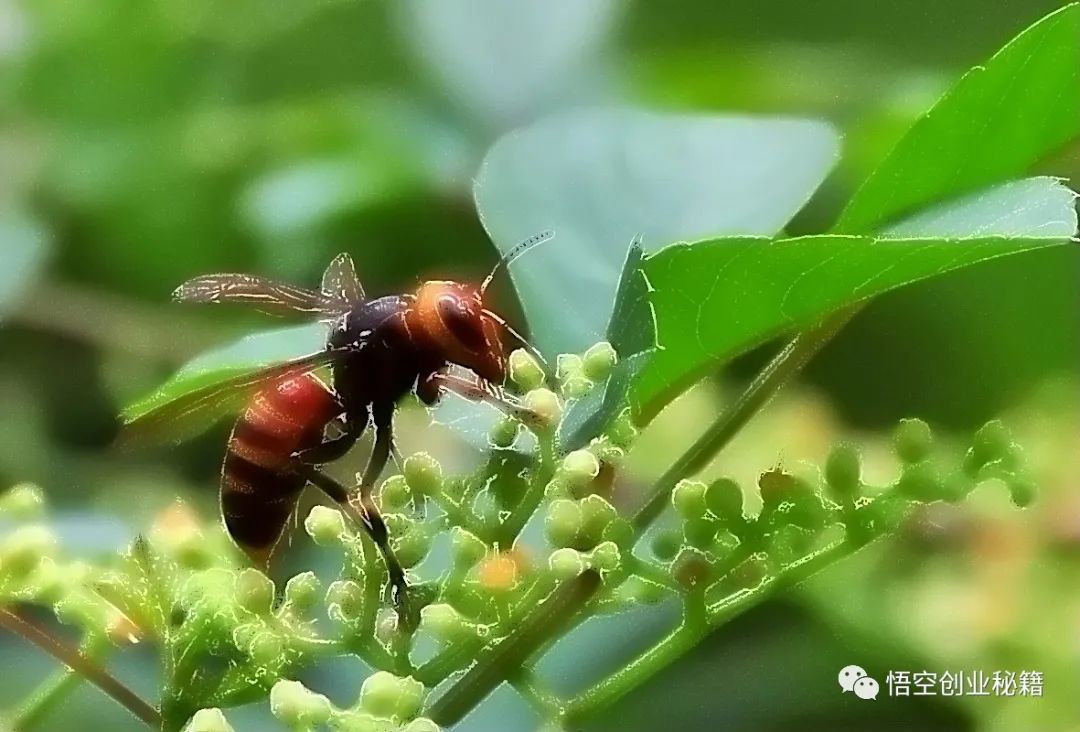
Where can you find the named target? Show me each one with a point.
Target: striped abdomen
(258, 489)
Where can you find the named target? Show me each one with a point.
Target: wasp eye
(462, 322)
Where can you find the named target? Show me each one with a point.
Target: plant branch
(81, 665)
(55, 688)
(789, 361)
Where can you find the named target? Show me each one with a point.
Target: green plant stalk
(788, 362)
(511, 653)
(690, 634)
(526, 507)
(84, 667)
(57, 687)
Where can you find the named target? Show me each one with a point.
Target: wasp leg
(478, 391)
(333, 449)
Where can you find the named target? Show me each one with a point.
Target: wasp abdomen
(258, 487)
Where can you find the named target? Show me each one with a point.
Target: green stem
(81, 665)
(57, 687)
(542, 699)
(763, 388)
(512, 652)
(526, 507)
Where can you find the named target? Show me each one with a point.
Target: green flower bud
(302, 591)
(412, 545)
(599, 360)
(921, 482)
(25, 547)
(806, 510)
(344, 600)
(421, 724)
(394, 494)
(1022, 491)
(389, 696)
(545, 404)
(776, 487)
(296, 706)
(596, 515)
(254, 591)
(566, 563)
(23, 501)
(580, 466)
(208, 720)
(689, 498)
(265, 648)
(525, 372)
(666, 543)
(444, 622)
(724, 498)
(912, 440)
(504, 433)
(843, 471)
(325, 525)
(423, 474)
(563, 522)
(992, 442)
(575, 387)
(623, 432)
(209, 589)
(467, 548)
(692, 567)
(620, 531)
(700, 531)
(606, 556)
(568, 365)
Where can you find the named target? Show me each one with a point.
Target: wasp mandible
(378, 350)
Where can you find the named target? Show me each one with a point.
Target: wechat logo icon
(855, 680)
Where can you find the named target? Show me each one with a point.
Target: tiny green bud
(25, 547)
(623, 432)
(596, 514)
(692, 567)
(325, 525)
(606, 556)
(444, 622)
(389, 696)
(700, 531)
(843, 471)
(921, 482)
(563, 522)
(575, 387)
(666, 543)
(620, 531)
(992, 442)
(912, 440)
(776, 486)
(412, 545)
(22, 501)
(544, 403)
(302, 591)
(421, 724)
(297, 706)
(394, 494)
(344, 600)
(566, 563)
(525, 371)
(209, 588)
(599, 360)
(265, 648)
(567, 365)
(724, 498)
(580, 466)
(689, 498)
(504, 433)
(467, 548)
(208, 720)
(1022, 491)
(806, 510)
(254, 591)
(423, 474)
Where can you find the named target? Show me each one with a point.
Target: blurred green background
(142, 143)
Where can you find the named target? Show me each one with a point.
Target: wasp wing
(268, 295)
(340, 283)
(157, 420)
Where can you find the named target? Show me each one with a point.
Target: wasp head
(451, 317)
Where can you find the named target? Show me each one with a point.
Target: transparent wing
(267, 295)
(195, 410)
(340, 283)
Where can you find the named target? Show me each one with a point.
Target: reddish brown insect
(378, 351)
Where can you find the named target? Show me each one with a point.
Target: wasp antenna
(518, 250)
(533, 350)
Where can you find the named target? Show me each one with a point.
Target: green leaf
(601, 177)
(994, 124)
(24, 248)
(717, 299)
(632, 332)
(248, 354)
